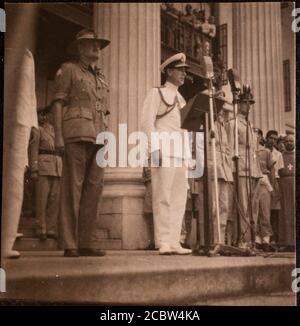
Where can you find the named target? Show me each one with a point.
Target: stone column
(257, 55)
(131, 66)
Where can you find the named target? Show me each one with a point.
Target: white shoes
(11, 254)
(178, 250)
(165, 250)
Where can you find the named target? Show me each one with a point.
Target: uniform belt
(49, 152)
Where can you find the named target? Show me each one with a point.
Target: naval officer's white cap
(176, 61)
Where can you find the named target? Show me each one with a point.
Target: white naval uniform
(169, 184)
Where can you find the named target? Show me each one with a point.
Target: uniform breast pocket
(78, 122)
(80, 90)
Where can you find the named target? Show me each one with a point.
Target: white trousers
(169, 195)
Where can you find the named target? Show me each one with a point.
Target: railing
(86, 7)
(182, 36)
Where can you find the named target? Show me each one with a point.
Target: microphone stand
(235, 158)
(213, 143)
(203, 250)
(252, 224)
(221, 249)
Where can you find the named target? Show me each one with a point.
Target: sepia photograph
(149, 155)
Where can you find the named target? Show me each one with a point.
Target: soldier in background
(249, 170)
(225, 179)
(280, 144)
(46, 168)
(262, 197)
(287, 225)
(80, 110)
(271, 141)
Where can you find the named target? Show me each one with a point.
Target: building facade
(253, 38)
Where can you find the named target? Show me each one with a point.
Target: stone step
(271, 299)
(29, 232)
(144, 277)
(27, 222)
(27, 227)
(102, 234)
(109, 244)
(34, 244)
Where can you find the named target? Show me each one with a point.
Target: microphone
(208, 66)
(234, 80)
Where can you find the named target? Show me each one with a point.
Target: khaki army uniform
(287, 220)
(225, 180)
(249, 171)
(275, 195)
(48, 164)
(262, 198)
(84, 91)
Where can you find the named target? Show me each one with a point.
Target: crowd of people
(195, 37)
(194, 17)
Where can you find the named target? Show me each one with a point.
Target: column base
(121, 210)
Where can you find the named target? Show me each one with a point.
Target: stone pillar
(131, 66)
(257, 55)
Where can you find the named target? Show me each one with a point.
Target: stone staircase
(29, 241)
(145, 278)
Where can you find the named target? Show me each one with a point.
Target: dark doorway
(53, 36)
